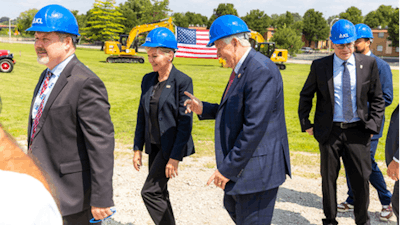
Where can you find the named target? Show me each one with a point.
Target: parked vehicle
(6, 61)
(307, 50)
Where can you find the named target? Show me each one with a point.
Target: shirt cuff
(396, 160)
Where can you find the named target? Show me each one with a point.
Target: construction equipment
(6, 61)
(257, 41)
(125, 50)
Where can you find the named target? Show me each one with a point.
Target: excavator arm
(148, 27)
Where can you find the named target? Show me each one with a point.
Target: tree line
(106, 20)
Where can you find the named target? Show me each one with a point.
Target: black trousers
(81, 218)
(395, 200)
(353, 146)
(154, 193)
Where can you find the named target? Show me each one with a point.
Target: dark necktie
(40, 110)
(230, 82)
(346, 92)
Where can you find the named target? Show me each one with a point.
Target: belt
(346, 125)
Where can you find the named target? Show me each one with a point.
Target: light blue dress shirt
(56, 72)
(337, 83)
(237, 67)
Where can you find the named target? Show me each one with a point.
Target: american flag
(192, 44)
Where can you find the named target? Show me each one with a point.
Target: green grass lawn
(123, 85)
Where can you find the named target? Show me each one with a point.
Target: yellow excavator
(125, 50)
(257, 41)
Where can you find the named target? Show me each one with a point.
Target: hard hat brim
(344, 40)
(157, 45)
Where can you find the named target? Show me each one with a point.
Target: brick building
(381, 45)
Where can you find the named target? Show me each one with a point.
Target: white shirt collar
(57, 70)
(338, 62)
(369, 53)
(239, 64)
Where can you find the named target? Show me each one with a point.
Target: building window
(397, 49)
(379, 48)
(381, 34)
(388, 47)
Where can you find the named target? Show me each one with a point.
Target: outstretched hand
(193, 104)
(219, 180)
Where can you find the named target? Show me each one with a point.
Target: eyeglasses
(342, 46)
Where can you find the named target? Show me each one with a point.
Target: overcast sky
(12, 8)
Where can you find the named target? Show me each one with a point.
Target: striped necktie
(347, 105)
(230, 82)
(40, 110)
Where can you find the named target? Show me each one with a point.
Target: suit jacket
(370, 103)
(251, 143)
(385, 77)
(175, 126)
(74, 140)
(392, 139)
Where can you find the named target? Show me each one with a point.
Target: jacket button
(160, 119)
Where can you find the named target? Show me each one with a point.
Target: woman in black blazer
(162, 125)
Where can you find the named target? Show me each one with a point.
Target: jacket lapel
(359, 73)
(147, 95)
(169, 86)
(58, 86)
(329, 74)
(238, 76)
(38, 85)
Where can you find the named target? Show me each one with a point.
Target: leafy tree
(380, 17)
(298, 27)
(4, 20)
(257, 20)
(393, 28)
(371, 20)
(278, 20)
(287, 38)
(104, 21)
(285, 18)
(137, 12)
(180, 20)
(196, 18)
(331, 18)
(81, 19)
(223, 9)
(189, 18)
(353, 14)
(297, 17)
(24, 21)
(315, 27)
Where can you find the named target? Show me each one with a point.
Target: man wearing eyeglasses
(349, 110)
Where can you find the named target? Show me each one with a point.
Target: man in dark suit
(392, 158)
(70, 133)
(349, 110)
(362, 44)
(251, 144)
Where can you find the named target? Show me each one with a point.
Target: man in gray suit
(70, 133)
(392, 158)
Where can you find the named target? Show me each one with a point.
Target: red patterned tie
(230, 81)
(40, 110)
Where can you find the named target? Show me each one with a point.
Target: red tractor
(6, 61)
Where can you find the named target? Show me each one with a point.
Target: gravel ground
(299, 199)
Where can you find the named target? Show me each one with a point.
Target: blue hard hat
(225, 26)
(161, 37)
(54, 18)
(343, 32)
(363, 31)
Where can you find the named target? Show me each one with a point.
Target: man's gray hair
(243, 39)
(62, 36)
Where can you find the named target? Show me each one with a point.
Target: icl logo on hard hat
(148, 39)
(344, 35)
(37, 21)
